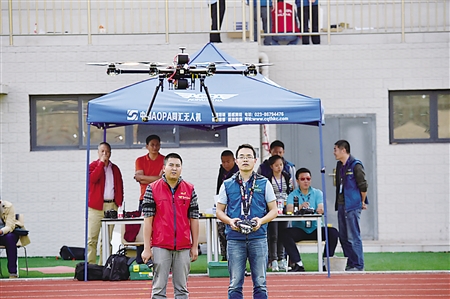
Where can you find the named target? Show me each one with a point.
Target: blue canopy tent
(237, 99)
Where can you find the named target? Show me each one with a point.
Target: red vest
(171, 223)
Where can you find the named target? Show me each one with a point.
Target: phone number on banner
(260, 114)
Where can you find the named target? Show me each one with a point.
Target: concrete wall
(354, 77)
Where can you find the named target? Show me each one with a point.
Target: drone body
(181, 74)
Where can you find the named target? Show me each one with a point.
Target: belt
(108, 200)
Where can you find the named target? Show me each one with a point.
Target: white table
(212, 239)
(106, 222)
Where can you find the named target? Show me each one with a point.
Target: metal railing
(166, 17)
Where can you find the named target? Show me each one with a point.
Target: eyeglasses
(248, 157)
(305, 179)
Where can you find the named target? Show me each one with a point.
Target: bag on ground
(117, 266)
(71, 253)
(131, 230)
(95, 272)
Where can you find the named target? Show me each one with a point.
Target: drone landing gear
(202, 85)
(161, 86)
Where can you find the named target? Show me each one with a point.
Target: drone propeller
(221, 64)
(99, 63)
(247, 64)
(128, 63)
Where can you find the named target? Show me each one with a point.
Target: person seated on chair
(308, 197)
(8, 223)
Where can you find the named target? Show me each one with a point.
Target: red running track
(427, 285)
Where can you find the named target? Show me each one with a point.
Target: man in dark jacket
(351, 192)
(226, 170)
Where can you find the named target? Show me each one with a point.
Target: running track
(368, 285)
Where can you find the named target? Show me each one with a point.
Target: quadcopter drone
(181, 74)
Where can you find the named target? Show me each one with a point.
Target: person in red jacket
(105, 193)
(171, 229)
(285, 21)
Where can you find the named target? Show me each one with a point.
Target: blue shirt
(314, 197)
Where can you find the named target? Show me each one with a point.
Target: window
(419, 116)
(59, 122)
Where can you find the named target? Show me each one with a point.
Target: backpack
(95, 272)
(117, 266)
(71, 253)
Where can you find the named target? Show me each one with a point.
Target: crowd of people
(248, 201)
(275, 16)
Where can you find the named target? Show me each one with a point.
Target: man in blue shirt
(246, 197)
(308, 197)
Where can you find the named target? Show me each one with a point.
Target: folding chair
(19, 217)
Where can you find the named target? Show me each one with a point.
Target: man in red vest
(284, 21)
(171, 229)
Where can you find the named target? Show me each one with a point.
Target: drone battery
(182, 58)
(182, 84)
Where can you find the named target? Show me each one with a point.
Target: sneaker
(224, 258)
(353, 269)
(13, 275)
(297, 268)
(282, 265)
(275, 266)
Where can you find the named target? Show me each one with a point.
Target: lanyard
(246, 197)
(343, 170)
(308, 197)
(280, 186)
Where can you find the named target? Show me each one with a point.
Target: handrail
(74, 17)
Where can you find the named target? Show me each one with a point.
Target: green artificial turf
(386, 261)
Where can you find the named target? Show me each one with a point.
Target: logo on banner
(132, 114)
(200, 97)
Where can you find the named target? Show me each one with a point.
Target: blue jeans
(256, 252)
(350, 237)
(292, 39)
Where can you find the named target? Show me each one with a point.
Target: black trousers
(294, 234)
(215, 37)
(314, 22)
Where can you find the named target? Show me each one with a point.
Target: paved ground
(370, 285)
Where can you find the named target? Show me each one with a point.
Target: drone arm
(202, 84)
(133, 71)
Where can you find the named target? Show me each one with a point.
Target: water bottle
(280, 205)
(120, 212)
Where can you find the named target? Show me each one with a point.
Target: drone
(181, 75)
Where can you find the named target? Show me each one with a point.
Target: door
(302, 147)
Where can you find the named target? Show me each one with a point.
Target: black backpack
(117, 266)
(71, 253)
(95, 272)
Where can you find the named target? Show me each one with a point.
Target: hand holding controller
(246, 226)
(149, 263)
